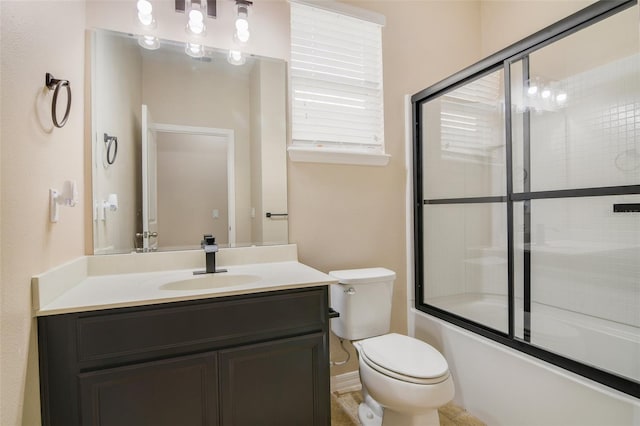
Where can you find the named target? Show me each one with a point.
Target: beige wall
(505, 22)
(192, 182)
(346, 217)
(37, 37)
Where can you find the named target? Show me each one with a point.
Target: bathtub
(605, 344)
(505, 387)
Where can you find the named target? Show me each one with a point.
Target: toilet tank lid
(363, 276)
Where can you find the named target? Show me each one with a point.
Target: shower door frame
(503, 60)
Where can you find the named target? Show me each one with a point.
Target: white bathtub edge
(530, 359)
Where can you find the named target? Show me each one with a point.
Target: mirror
(185, 146)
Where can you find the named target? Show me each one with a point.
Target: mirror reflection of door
(188, 190)
(149, 183)
(193, 189)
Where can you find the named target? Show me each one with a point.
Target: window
(336, 80)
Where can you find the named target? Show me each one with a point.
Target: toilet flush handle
(350, 291)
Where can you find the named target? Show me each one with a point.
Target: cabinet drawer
(137, 333)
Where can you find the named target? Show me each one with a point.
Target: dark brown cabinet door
(178, 391)
(276, 383)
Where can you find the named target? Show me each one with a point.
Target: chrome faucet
(210, 247)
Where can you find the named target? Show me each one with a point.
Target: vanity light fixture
(241, 32)
(146, 20)
(196, 12)
(208, 7)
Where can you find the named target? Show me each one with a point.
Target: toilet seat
(404, 358)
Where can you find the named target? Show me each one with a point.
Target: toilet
(404, 380)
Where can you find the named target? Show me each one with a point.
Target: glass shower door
(576, 157)
(464, 212)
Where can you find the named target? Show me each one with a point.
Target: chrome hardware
(147, 234)
(350, 291)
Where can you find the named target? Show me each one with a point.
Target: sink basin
(204, 282)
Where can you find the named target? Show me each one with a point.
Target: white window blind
(471, 120)
(336, 80)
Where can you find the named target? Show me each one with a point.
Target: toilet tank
(363, 299)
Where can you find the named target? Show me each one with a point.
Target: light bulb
(196, 27)
(145, 16)
(195, 16)
(561, 97)
(243, 36)
(144, 7)
(532, 90)
(242, 24)
(546, 93)
(195, 24)
(145, 20)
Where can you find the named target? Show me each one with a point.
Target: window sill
(336, 156)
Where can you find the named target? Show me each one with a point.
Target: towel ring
(111, 143)
(55, 85)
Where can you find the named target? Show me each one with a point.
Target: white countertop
(84, 284)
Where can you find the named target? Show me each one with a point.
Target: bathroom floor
(344, 412)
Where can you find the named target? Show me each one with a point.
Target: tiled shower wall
(585, 257)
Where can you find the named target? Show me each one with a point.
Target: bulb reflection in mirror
(149, 42)
(561, 97)
(236, 57)
(194, 50)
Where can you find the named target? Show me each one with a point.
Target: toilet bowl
(404, 380)
(406, 377)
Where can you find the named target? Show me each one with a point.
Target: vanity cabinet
(258, 359)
